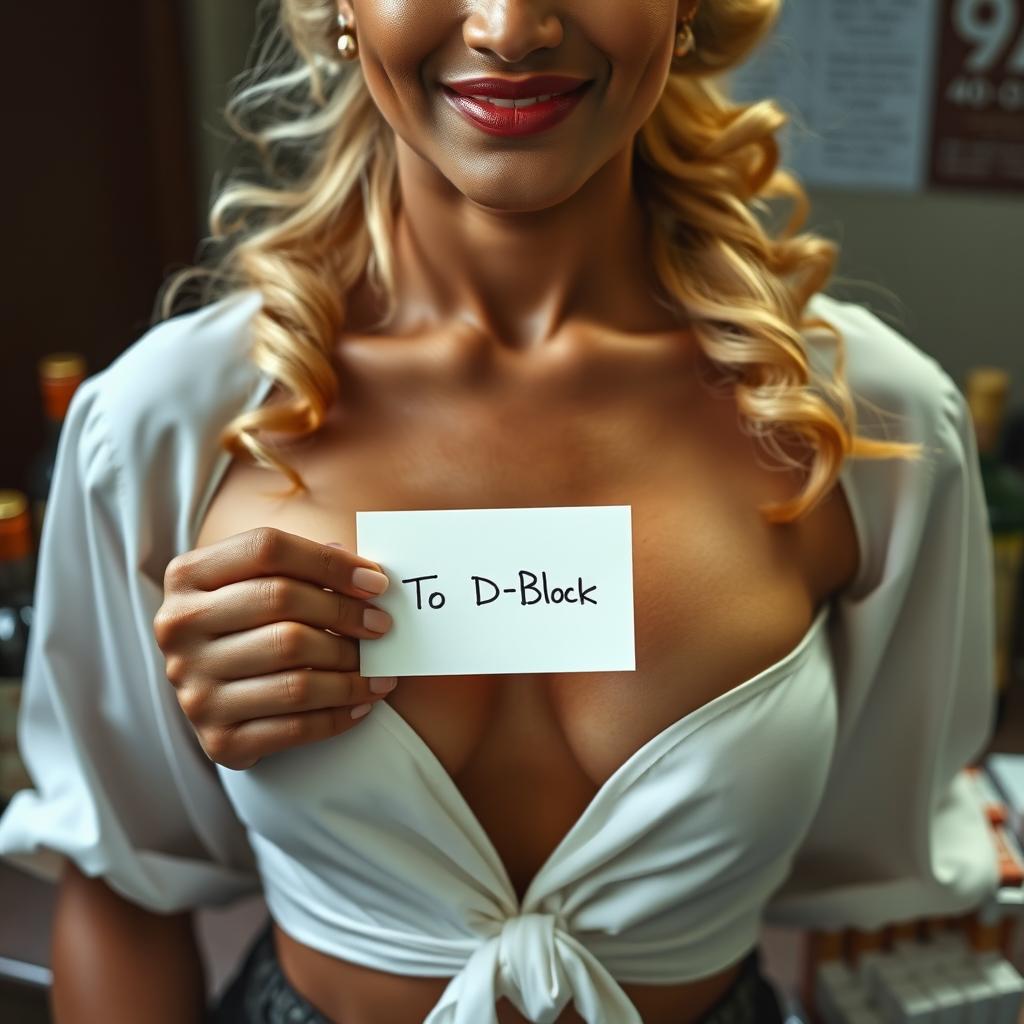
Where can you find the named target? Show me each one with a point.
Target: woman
(438, 301)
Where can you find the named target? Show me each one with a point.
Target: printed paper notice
(896, 94)
(978, 136)
(855, 76)
(501, 590)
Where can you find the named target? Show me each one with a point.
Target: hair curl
(325, 208)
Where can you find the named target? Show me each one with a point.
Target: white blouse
(123, 788)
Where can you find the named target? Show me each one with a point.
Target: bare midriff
(719, 593)
(349, 993)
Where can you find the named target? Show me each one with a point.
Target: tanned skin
(115, 962)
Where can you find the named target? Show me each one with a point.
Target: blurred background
(117, 113)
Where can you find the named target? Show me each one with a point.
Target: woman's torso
(457, 421)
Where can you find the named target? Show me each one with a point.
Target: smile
(510, 117)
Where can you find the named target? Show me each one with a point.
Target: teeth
(515, 103)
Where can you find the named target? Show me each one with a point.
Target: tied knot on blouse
(527, 957)
(529, 963)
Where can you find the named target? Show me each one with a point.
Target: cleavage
(520, 779)
(525, 771)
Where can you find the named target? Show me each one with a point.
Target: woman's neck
(522, 278)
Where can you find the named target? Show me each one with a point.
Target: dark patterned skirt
(259, 993)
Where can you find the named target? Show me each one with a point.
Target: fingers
(260, 634)
(243, 745)
(267, 599)
(291, 692)
(276, 647)
(268, 551)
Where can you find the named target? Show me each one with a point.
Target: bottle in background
(1012, 451)
(986, 392)
(17, 583)
(60, 373)
(1013, 455)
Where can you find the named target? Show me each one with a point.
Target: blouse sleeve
(897, 835)
(121, 785)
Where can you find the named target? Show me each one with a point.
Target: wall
(219, 35)
(99, 193)
(955, 262)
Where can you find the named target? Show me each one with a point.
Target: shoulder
(183, 378)
(181, 367)
(141, 440)
(901, 393)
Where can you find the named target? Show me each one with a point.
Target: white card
(501, 590)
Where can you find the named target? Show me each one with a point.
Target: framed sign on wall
(904, 95)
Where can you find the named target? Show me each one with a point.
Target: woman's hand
(243, 630)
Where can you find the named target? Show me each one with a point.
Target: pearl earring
(348, 48)
(684, 39)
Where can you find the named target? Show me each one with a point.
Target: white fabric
(822, 793)
(369, 851)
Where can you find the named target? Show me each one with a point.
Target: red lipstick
(472, 98)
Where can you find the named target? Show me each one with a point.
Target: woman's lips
(531, 117)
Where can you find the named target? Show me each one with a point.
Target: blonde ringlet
(320, 208)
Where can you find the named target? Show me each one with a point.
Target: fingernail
(383, 684)
(368, 579)
(361, 709)
(376, 620)
(335, 544)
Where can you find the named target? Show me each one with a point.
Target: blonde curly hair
(704, 166)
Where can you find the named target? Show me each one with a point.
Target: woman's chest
(719, 594)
